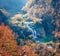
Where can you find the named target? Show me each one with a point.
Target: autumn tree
(8, 45)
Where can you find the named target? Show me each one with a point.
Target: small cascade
(33, 31)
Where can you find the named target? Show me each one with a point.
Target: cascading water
(33, 31)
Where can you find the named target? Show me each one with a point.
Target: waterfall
(34, 34)
(33, 31)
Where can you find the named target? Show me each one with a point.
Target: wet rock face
(3, 17)
(58, 23)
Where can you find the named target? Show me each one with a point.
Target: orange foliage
(8, 44)
(26, 50)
